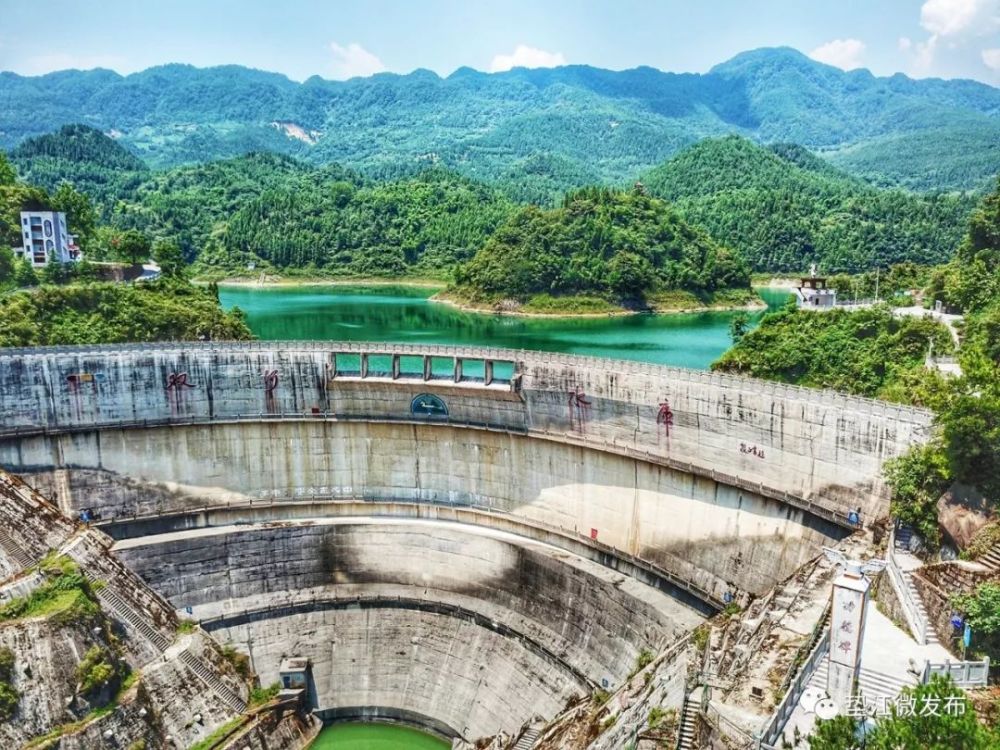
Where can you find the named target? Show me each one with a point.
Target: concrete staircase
(687, 732)
(991, 559)
(902, 538)
(918, 602)
(13, 550)
(124, 612)
(211, 679)
(873, 685)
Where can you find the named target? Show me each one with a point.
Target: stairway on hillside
(991, 559)
(901, 542)
(687, 732)
(211, 679)
(918, 601)
(873, 685)
(13, 550)
(527, 740)
(902, 538)
(124, 612)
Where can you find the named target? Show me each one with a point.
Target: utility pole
(877, 269)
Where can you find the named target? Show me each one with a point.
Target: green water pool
(405, 314)
(373, 736)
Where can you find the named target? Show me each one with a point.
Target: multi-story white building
(45, 239)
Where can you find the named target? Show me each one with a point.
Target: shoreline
(272, 283)
(753, 306)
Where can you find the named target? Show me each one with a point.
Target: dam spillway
(459, 538)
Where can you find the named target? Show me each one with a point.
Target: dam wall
(679, 521)
(478, 630)
(818, 450)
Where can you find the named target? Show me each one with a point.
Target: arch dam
(458, 538)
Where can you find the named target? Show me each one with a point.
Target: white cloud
(353, 61)
(843, 53)
(952, 25)
(991, 58)
(524, 56)
(952, 17)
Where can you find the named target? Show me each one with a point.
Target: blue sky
(336, 39)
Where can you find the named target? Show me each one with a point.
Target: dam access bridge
(459, 538)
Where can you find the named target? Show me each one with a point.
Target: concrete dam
(457, 538)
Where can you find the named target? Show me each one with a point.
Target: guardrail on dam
(816, 450)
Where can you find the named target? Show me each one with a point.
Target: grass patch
(546, 304)
(65, 596)
(95, 671)
(217, 735)
(186, 626)
(261, 695)
(239, 660)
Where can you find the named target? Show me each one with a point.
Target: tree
(918, 478)
(7, 174)
(838, 733)
(24, 274)
(738, 327)
(942, 719)
(630, 274)
(132, 246)
(169, 257)
(982, 613)
(7, 266)
(80, 214)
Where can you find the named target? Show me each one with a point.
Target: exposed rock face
(288, 729)
(962, 512)
(89, 624)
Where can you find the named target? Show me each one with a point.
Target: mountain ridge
(615, 125)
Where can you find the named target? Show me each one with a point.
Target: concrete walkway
(889, 657)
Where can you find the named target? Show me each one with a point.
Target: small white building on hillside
(45, 239)
(813, 293)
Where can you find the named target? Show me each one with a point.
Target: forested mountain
(425, 225)
(595, 125)
(622, 245)
(784, 208)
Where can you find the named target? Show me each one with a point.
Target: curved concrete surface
(480, 629)
(465, 536)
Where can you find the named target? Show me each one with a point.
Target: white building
(812, 293)
(45, 239)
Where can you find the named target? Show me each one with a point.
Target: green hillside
(624, 247)
(599, 126)
(784, 208)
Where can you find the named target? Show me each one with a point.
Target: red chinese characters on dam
(177, 385)
(665, 417)
(579, 410)
(270, 386)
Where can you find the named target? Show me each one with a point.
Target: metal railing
(965, 674)
(916, 622)
(773, 729)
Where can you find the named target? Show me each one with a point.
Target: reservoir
(407, 315)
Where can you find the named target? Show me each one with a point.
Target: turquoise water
(375, 737)
(405, 314)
